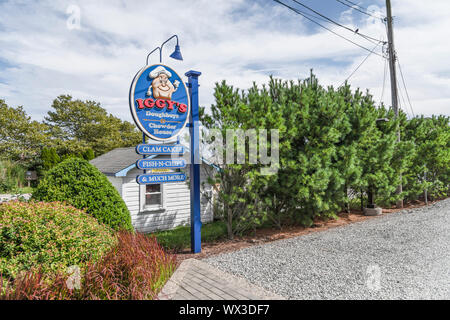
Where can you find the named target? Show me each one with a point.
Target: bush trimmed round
(83, 186)
(49, 236)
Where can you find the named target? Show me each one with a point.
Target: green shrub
(80, 184)
(49, 237)
(429, 168)
(136, 268)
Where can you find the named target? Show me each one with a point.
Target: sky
(92, 49)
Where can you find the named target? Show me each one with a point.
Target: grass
(180, 238)
(17, 190)
(25, 190)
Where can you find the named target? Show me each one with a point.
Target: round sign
(159, 102)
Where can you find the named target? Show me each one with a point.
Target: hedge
(83, 186)
(48, 237)
(336, 147)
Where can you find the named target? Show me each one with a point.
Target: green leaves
(80, 184)
(428, 166)
(20, 137)
(50, 236)
(73, 128)
(86, 122)
(332, 145)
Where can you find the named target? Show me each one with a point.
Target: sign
(159, 102)
(160, 105)
(160, 178)
(31, 175)
(150, 149)
(145, 164)
(160, 170)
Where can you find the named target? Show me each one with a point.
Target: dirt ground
(272, 234)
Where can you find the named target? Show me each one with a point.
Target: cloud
(240, 41)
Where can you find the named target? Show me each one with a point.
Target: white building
(152, 207)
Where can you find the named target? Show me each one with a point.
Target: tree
(429, 168)
(89, 155)
(88, 125)
(21, 139)
(233, 192)
(330, 146)
(49, 158)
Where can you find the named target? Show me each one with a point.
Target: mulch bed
(268, 235)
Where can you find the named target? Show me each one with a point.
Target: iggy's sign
(159, 102)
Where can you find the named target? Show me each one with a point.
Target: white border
(133, 107)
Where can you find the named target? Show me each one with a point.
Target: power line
(314, 16)
(366, 9)
(321, 17)
(362, 62)
(403, 104)
(404, 85)
(360, 9)
(303, 15)
(337, 23)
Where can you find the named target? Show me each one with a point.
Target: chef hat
(158, 70)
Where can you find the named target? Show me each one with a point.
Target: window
(153, 196)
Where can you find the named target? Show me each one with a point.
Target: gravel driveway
(403, 255)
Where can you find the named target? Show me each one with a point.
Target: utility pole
(394, 92)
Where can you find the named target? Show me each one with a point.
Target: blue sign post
(196, 223)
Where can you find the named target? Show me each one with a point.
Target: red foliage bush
(35, 286)
(136, 268)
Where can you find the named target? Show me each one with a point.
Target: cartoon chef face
(161, 86)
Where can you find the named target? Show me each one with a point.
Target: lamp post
(176, 53)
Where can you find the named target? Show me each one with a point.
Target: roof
(116, 160)
(119, 161)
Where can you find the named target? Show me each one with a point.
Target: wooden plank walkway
(197, 280)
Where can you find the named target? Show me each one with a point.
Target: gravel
(402, 255)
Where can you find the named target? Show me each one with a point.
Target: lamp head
(177, 53)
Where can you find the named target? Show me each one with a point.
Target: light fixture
(177, 53)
